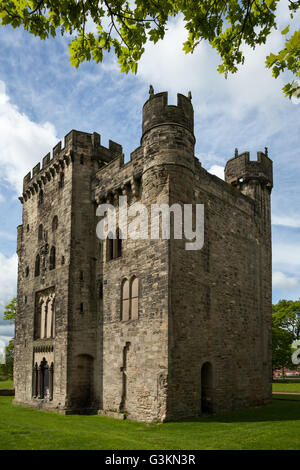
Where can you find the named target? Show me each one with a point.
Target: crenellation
(137, 153)
(115, 148)
(56, 150)
(46, 160)
(241, 169)
(75, 142)
(27, 178)
(36, 169)
(96, 140)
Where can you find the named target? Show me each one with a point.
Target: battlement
(157, 112)
(241, 169)
(74, 141)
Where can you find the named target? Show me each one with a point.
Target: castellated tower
(142, 327)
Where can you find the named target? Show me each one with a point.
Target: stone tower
(142, 327)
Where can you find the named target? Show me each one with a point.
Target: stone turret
(241, 169)
(168, 132)
(157, 112)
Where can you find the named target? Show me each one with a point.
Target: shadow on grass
(279, 410)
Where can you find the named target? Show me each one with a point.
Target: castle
(144, 328)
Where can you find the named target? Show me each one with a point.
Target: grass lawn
(6, 384)
(271, 427)
(286, 387)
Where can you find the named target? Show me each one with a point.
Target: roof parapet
(74, 140)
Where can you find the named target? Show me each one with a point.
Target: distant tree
(9, 314)
(7, 369)
(126, 26)
(281, 349)
(286, 315)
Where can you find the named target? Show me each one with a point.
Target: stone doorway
(123, 404)
(82, 392)
(206, 388)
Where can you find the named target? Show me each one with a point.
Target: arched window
(100, 290)
(134, 298)
(52, 262)
(52, 334)
(49, 318)
(43, 373)
(41, 197)
(113, 246)
(54, 223)
(41, 232)
(51, 381)
(61, 181)
(118, 245)
(42, 314)
(38, 320)
(35, 388)
(130, 299)
(125, 313)
(109, 247)
(46, 319)
(37, 266)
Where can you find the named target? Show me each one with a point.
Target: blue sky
(42, 98)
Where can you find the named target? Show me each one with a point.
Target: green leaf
(285, 30)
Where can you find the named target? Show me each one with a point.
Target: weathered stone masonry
(144, 328)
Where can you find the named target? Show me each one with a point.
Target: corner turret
(241, 170)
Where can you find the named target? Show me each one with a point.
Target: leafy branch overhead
(125, 27)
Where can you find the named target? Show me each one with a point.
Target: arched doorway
(206, 388)
(123, 404)
(82, 390)
(43, 375)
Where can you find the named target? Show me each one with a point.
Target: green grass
(6, 384)
(271, 427)
(286, 387)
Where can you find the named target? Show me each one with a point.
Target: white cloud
(8, 279)
(6, 331)
(4, 340)
(286, 221)
(281, 281)
(286, 257)
(2, 198)
(23, 142)
(217, 170)
(167, 66)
